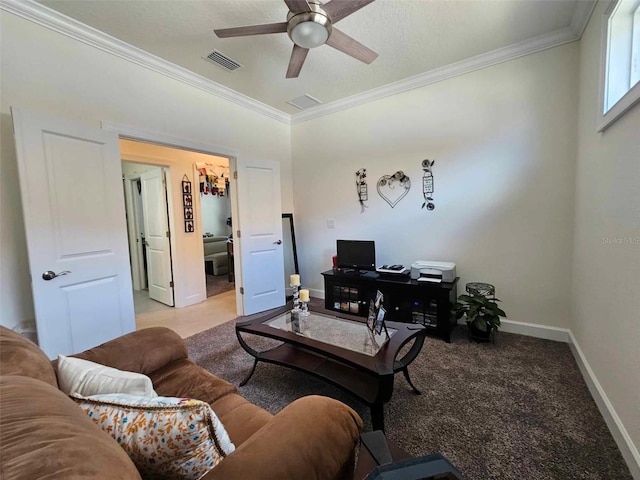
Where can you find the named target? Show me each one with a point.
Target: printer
(430, 271)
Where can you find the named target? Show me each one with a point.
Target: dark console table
(405, 300)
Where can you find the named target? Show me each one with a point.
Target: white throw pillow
(88, 378)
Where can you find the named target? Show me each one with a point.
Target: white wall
(215, 211)
(504, 141)
(606, 269)
(46, 71)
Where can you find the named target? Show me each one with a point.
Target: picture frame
(187, 200)
(188, 226)
(371, 318)
(379, 325)
(186, 187)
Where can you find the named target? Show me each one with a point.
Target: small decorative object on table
(304, 299)
(481, 311)
(294, 283)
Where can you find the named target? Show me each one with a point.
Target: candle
(304, 295)
(294, 279)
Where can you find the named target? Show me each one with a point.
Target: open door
(260, 235)
(71, 189)
(156, 230)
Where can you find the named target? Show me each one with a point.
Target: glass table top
(339, 332)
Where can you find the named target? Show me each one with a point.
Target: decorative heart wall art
(393, 188)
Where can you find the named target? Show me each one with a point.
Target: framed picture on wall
(186, 186)
(188, 226)
(187, 200)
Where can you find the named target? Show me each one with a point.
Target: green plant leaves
(481, 311)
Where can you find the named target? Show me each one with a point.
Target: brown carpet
(217, 284)
(518, 409)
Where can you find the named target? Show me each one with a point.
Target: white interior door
(156, 234)
(71, 189)
(260, 238)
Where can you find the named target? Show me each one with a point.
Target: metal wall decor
(427, 184)
(393, 188)
(361, 186)
(187, 203)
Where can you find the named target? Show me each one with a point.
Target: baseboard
(618, 432)
(316, 293)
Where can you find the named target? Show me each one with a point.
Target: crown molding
(484, 60)
(48, 18)
(581, 14)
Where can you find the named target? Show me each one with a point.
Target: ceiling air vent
(304, 101)
(221, 59)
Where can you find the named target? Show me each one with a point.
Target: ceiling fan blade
(251, 30)
(298, 56)
(338, 9)
(350, 46)
(297, 6)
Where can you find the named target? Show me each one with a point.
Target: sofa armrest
(144, 351)
(313, 438)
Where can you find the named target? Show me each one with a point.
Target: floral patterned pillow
(166, 437)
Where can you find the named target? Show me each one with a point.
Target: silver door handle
(279, 242)
(49, 275)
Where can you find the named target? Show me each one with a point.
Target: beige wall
(606, 268)
(46, 71)
(503, 140)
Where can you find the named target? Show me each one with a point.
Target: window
(620, 87)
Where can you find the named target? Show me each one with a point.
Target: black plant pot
(479, 336)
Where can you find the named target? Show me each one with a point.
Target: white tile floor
(185, 321)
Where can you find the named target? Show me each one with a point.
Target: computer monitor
(356, 254)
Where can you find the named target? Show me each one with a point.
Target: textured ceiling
(411, 37)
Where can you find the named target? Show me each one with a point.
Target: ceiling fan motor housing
(309, 29)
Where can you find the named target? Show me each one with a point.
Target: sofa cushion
(185, 379)
(240, 417)
(43, 434)
(144, 351)
(20, 356)
(166, 437)
(76, 375)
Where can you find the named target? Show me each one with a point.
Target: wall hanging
(427, 184)
(213, 178)
(393, 188)
(361, 186)
(187, 203)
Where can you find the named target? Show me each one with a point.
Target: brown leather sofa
(44, 434)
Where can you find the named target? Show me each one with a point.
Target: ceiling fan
(310, 24)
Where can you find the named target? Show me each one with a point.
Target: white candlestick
(294, 279)
(304, 295)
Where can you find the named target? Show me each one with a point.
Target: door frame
(126, 132)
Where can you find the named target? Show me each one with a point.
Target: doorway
(148, 226)
(210, 213)
(215, 217)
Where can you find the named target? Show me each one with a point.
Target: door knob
(49, 275)
(279, 242)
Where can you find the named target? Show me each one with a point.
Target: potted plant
(482, 315)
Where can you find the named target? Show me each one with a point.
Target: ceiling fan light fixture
(309, 29)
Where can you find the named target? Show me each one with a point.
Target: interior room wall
(606, 268)
(504, 144)
(215, 211)
(50, 72)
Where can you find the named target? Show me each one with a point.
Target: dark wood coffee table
(340, 350)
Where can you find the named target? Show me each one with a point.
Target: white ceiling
(411, 38)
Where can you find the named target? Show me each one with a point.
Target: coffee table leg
(406, 375)
(253, 369)
(377, 416)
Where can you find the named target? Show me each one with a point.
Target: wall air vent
(221, 59)
(304, 101)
